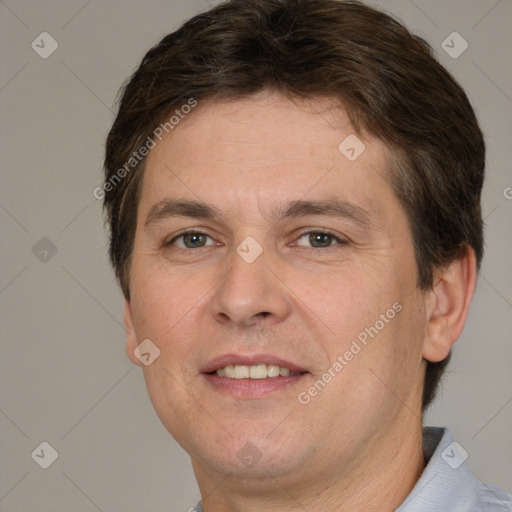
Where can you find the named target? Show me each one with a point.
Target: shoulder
(448, 483)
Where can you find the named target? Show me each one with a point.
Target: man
(293, 192)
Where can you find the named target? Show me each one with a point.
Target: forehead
(266, 150)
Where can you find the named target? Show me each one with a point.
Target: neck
(379, 481)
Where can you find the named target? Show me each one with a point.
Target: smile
(258, 371)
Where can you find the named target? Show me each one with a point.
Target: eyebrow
(172, 208)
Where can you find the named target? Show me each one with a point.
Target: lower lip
(252, 388)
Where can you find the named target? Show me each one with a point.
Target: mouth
(251, 376)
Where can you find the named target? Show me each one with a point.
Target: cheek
(161, 300)
(175, 406)
(390, 370)
(374, 328)
(347, 301)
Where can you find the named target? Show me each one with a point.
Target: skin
(357, 444)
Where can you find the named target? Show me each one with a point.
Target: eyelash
(306, 232)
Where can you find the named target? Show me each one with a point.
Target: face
(300, 262)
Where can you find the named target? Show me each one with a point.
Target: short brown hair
(386, 78)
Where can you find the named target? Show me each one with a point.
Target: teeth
(258, 371)
(241, 372)
(273, 370)
(284, 372)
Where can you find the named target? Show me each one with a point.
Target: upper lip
(249, 360)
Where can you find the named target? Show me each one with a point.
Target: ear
(448, 305)
(131, 338)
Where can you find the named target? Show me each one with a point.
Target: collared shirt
(447, 484)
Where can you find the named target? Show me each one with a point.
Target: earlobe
(131, 337)
(448, 305)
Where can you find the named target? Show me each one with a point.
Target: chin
(257, 457)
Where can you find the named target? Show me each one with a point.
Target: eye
(320, 239)
(193, 239)
(190, 240)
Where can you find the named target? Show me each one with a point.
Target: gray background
(65, 378)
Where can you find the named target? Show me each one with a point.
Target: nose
(251, 293)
